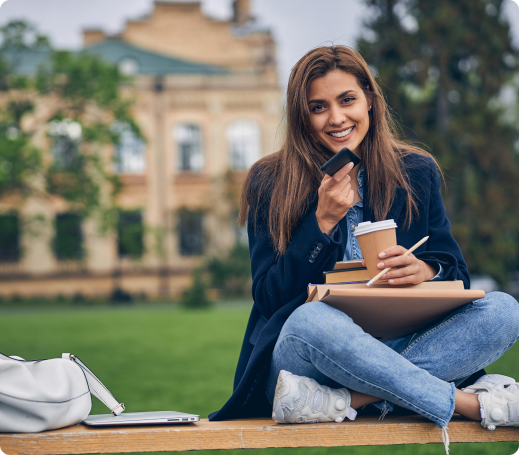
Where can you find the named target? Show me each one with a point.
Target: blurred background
(128, 126)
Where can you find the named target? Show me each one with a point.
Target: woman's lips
(342, 139)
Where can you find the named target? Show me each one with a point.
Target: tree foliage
(19, 35)
(196, 296)
(230, 273)
(81, 95)
(443, 66)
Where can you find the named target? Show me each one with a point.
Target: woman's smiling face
(339, 111)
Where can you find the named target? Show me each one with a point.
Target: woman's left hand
(405, 269)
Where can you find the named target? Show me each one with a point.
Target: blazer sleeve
(276, 280)
(441, 247)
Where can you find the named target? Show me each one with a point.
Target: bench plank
(247, 434)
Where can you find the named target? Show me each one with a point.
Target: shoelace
(445, 438)
(384, 413)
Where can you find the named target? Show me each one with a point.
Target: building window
(68, 240)
(189, 147)
(244, 142)
(130, 234)
(65, 135)
(191, 232)
(128, 66)
(9, 238)
(130, 150)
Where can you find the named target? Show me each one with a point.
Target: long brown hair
(292, 176)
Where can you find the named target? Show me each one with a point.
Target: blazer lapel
(399, 198)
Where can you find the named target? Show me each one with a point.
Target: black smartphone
(339, 160)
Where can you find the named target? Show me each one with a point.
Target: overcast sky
(298, 25)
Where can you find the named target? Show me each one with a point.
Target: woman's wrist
(429, 271)
(325, 225)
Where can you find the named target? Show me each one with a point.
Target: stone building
(208, 103)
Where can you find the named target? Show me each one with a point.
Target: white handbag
(39, 395)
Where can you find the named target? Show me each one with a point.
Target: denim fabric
(354, 216)
(418, 372)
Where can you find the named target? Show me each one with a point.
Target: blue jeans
(418, 372)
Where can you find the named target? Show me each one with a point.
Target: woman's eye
(348, 99)
(317, 108)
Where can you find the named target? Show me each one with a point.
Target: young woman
(311, 362)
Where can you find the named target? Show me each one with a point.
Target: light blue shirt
(355, 216)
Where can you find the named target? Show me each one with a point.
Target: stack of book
(347, 272)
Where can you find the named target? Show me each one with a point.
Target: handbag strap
(97, 388)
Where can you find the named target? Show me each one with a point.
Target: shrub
(231, 274)
(196, 295)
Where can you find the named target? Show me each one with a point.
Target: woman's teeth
(342, 133)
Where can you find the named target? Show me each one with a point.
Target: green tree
(19, 35)
(81, 95)
(442, 65)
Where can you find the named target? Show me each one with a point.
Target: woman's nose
(337, 116)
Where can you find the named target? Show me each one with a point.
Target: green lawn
(158, 357)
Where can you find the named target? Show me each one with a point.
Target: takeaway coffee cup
(374, 238)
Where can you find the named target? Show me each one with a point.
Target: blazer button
(312, 259)
(319, 247)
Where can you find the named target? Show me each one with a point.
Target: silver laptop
(141, 418)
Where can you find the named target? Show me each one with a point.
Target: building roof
(149, 62)
(134, 59)
(26, 61)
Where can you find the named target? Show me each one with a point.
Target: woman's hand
(407, 269)
(335, 199)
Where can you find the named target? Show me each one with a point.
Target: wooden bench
(248, 434)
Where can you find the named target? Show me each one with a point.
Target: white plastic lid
(368, 226)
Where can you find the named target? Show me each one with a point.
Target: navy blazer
(279, 283)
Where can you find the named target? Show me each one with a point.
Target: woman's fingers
(408, 279)
(397, 261)
(406, 269)
(326, 178)
(399, 272)
(335, 198)
(339, 175)
(396, 250)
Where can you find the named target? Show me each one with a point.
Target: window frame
(139, 231)
(16, 251)
(247, 158)
(60, 236)
(121, 129)
(190, 157)
(197, 217)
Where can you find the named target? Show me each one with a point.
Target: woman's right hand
(335, 199)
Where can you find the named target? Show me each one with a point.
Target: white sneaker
(302, 400)
(498, 397)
